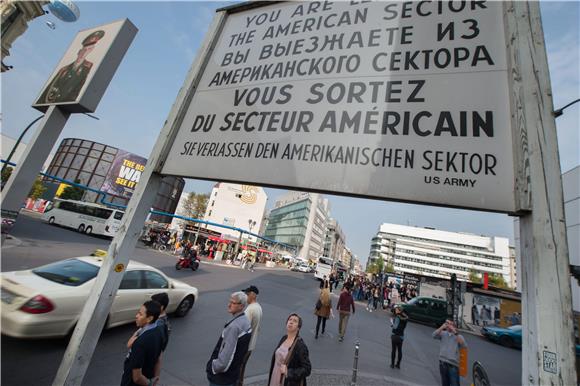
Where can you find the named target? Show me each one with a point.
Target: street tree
(474, 276)
(6, 173)
(497, 280)
(195, 205)
(73, 192)
(37, 190)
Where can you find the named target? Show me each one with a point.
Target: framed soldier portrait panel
(86, 68)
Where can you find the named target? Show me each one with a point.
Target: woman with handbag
(323, 310)
(290, 362)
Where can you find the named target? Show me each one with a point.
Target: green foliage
(6, 173)
(390, 268)
(474, 276)
(37, 190)
(377, 266)
(497, 280)
(72, 192)
(195, 205)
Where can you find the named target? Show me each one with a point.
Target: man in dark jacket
(142, 364)
(223, 367)
(345, 302)
(398, 324)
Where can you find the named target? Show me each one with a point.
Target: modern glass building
(112, 171)
(300, 219)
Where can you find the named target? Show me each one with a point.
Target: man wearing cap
(69, 80)
(254, 313)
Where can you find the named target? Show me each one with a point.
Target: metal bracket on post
(355, 364)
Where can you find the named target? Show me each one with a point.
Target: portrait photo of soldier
(70, 79)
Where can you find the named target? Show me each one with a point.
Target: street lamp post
(18, 142)
(7, 160)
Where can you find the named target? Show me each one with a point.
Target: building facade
(334, 241)
(437, 253)
(235, 205)
(299, 219)
(112, 171)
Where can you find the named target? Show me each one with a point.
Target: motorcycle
(186, 262)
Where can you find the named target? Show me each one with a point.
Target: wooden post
(548, 350)
(86, 334)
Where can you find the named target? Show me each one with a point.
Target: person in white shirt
(254, 313)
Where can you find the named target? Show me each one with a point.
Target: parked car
(47, 301)
(425, 309)
(509, 337)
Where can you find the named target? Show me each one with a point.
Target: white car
(301, 267)
(47, 301)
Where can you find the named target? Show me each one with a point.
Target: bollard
(355, 365)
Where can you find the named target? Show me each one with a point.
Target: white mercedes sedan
(47, 301)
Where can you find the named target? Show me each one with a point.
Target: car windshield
(515, 328)
(71, 272)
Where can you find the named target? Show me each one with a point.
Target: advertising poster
(124, 174)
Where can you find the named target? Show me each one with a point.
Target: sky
(140, 96)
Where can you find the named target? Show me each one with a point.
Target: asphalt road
(35, 362)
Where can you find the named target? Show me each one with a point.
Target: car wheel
(81, 228)
(184, 306)
(89, 230)
(51, 220)
(506, 341)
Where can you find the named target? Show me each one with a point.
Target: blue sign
(65, 10)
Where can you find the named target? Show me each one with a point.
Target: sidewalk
(336, 378)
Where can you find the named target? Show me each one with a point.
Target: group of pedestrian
(290, 363)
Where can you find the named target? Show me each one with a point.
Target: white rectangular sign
(403, 101)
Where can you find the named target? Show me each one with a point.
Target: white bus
(323, 268)
(85, 217)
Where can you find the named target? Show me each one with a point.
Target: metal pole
(355, 365)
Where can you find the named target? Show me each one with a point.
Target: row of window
(434, 264)
(438, 242)
(88, 210)
(439, 246)
(449, 258)
(427, 270)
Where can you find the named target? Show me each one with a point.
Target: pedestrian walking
(223, 367)
(142, 363)
(376, 296)
(369, 295)
(345, 302)
(254, 313)
(324, 283)
(323, 310)
(451, 341)
(290, 365)
(398, 324)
